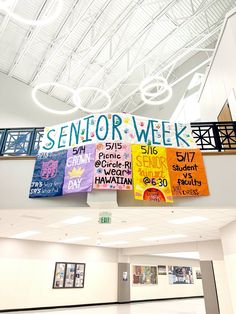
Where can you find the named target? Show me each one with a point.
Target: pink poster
(113, 166)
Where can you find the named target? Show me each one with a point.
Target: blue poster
(48, 174)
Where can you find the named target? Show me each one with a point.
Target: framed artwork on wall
(144, 275)
(180, 275)
(198, 274)
(79, 275)
(59, 275)
(161, 270)
(69, 275)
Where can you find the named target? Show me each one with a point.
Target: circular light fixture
(44, 107)
(59, 5)
(77, 102)
(162, 87)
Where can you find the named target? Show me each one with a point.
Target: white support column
(228, 237)
(216, 286)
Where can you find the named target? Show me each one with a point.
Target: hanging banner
(79, 169)
(113, 166)
(120, 127)
(151, 179)
(187, 172)
(48, 174)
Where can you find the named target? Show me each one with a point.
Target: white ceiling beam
(31, 35)
(45, 62)
(7, 19)
(103, 44)
(176, 60)
(74, 51)
(136, 38)
(162, 42)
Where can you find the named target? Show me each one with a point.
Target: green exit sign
(104, 217)
(105, 220)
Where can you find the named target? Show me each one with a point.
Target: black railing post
(3, 142)
(216, 136)
(32, 142)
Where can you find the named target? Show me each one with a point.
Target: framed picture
(59, 275)
(144, 275)
(198, 274)
(79, 275)
(69, 275)
(161, 270)
(180, 275)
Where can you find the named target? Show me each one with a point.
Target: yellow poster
(151, 179)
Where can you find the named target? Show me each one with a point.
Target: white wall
(27, 270)
(18, 109)
(221, 78)
(163, 289)
(222, 285)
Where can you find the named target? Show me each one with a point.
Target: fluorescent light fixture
(187, 220)
(114, 243)
(73, 240)
(61, 86)
(166, 237)
(121, 231)
(75, 220)
(188, 255)
(25, 234)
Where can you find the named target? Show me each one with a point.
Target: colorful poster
(180, 275)
(116, 127)
(48, 174)
(151, 179)
(113, 166)
(187, 172)
(79, 169)
(144, 275)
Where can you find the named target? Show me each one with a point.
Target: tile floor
(188, 306)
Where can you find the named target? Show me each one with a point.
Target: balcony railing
(209, 137)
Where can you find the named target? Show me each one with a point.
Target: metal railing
(20, 141)
(209, 137)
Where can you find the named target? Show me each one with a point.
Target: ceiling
(154, 222)
(110, 44)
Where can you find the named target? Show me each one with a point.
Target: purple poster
(48, 174)
(79, 169)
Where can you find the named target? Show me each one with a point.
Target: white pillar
(228, 237)
(212, 251)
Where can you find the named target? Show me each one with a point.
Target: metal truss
(123, 49)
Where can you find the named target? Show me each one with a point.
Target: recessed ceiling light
(75, 220)
(187, 220)
(190, 255)
(73, 240)
(120, 231)
(25, 234)
(114, 243)
(166, 237)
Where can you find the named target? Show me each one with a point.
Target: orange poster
(187, 172)
(151, 179)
